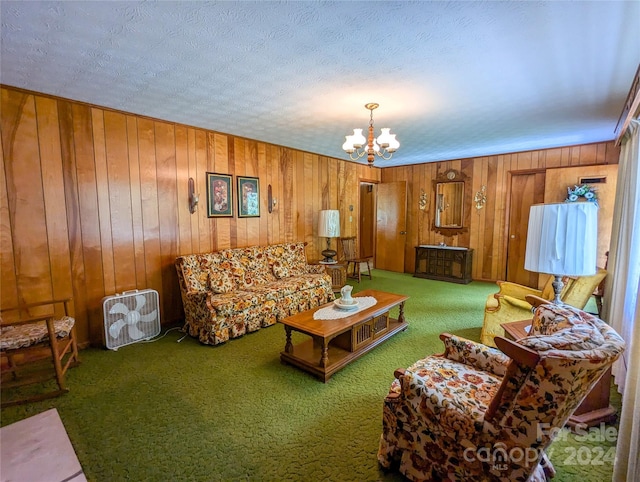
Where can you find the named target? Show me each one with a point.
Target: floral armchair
(510, 304)
(483, 414)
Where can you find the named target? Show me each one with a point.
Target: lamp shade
(329, 223)
(562, 239)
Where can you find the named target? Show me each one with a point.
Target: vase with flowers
(584, 191)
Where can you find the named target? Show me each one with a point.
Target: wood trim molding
(631, 107)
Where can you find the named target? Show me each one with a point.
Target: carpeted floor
(167, 411)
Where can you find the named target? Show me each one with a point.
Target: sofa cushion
(287, 286)
(287, 260)
(222, 281)
(306, 281)
(270, 291)
(253, 260)
(454, 393)
(231, 304)
(225, 275)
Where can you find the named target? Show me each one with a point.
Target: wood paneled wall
(94, 202)
(487, 226)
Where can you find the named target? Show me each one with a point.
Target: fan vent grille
(131, 317)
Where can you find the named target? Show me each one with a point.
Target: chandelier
(384, 146)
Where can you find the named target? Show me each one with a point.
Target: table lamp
(562, 240)
(329, 227)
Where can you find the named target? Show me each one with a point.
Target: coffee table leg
(288, 347)
(401, 314)
(324, 361)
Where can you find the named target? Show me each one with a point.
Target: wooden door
(391, 218)
(525, 190)
(367, 229)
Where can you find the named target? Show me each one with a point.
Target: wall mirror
(449, 191)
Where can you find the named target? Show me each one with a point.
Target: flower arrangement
(585, 191)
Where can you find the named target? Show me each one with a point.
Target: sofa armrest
(315, 269)
(197, 296)
(196, 308)
(516, 291)
(475, 354)
(514, 302)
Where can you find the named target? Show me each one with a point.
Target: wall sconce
(271, 201)
(193, 197)
(481, 197)
(422, 202)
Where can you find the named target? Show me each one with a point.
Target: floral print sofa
(228, 293)
(483, 414)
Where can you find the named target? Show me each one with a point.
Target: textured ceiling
(453, 79)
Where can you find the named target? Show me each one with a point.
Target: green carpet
(167, 411)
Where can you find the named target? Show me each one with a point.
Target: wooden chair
(352, 259)
(25, 342)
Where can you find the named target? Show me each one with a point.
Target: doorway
(526, 189)
(391, 225)
(367, 221)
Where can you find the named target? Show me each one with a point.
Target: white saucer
(343, 306)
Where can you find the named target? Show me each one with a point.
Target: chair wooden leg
(70, 348)
(55, 353)
(35, 398)
(599, 304)
(13, 368)
(352, 265)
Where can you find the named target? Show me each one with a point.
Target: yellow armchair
(509, 303)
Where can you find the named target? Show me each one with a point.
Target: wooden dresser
(444, 263)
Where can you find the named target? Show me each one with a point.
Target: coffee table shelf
(336, 343)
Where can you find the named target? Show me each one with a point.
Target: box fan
(130, 317)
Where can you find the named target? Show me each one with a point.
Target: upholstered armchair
(483, 414)
(509, 304)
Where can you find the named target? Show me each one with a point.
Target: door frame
(505, 235)
(374, 226)
(403, 231)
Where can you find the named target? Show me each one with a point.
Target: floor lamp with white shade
(562, 240)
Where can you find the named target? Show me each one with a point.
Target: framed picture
(248, 197)
(219, 195)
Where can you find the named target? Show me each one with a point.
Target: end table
(338, 273)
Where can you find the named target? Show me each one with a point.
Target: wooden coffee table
(336, 343)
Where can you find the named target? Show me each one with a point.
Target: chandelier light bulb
(348, 145)
(358, 139)
(393, 143)
(384, 138)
